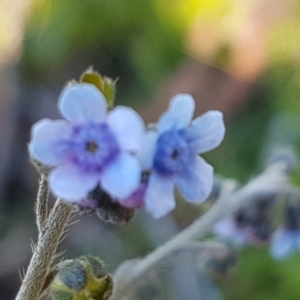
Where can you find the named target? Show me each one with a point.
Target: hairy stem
(41, 208)
(272, 181)
(44, 252)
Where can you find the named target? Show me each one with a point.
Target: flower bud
(105, 84)
(82, 278)
(106, 208)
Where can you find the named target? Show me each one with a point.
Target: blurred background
(239, 56)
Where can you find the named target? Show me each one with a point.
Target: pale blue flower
(171, 153)
(251, 225)
(136, 199)
(227, 229)
(92, 147)
(285, 243)
(286, 239)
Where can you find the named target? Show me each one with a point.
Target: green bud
(96, 265)
(73, 276)
(109, 90)
(106, 290)
(61, 295)
(105, 84)
(83, 278)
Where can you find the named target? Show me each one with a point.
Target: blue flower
(285, 242)
(171, 155)
(228, 229)
(251, 225)
(286, 239)
(92, 147)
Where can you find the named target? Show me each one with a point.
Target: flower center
(172, 153)
(175, 154)
(241, 219)
(93, 146)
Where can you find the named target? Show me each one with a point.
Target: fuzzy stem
(44, 252)
(41, 208)
(272, 181)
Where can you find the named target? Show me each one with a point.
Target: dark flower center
(172, 153)
(175, 154)
(92, 146)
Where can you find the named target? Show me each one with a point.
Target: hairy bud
(80, 279)
(105, 207)
(105, 84)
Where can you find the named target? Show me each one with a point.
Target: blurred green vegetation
(260, 277)
(126, 39)
(145, 41)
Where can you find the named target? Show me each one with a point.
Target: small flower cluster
(255, 225)
(113, 151)
(251, 225)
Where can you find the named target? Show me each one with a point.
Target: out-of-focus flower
(228, 229)
(286, 239)
(285, 242)
(251, 225)
(93, 147)
(170, 154)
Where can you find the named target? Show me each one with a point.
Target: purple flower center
(92, 146)
(172, 153)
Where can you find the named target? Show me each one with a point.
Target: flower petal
(136, 199)
(282, 244)
(46, 137)
(196, 181)
(179, 113)
(122, 177)
(147, 149)
(159, 198)
(80, 103)
(206, 132)
(227, 229)
(128, 127)
(70, 183)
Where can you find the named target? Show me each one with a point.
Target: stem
(272, 181)
(44, 252)
(41, 208)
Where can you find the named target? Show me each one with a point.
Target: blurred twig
(274, 180)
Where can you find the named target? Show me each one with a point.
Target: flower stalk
(44, 252)
(41, 209)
